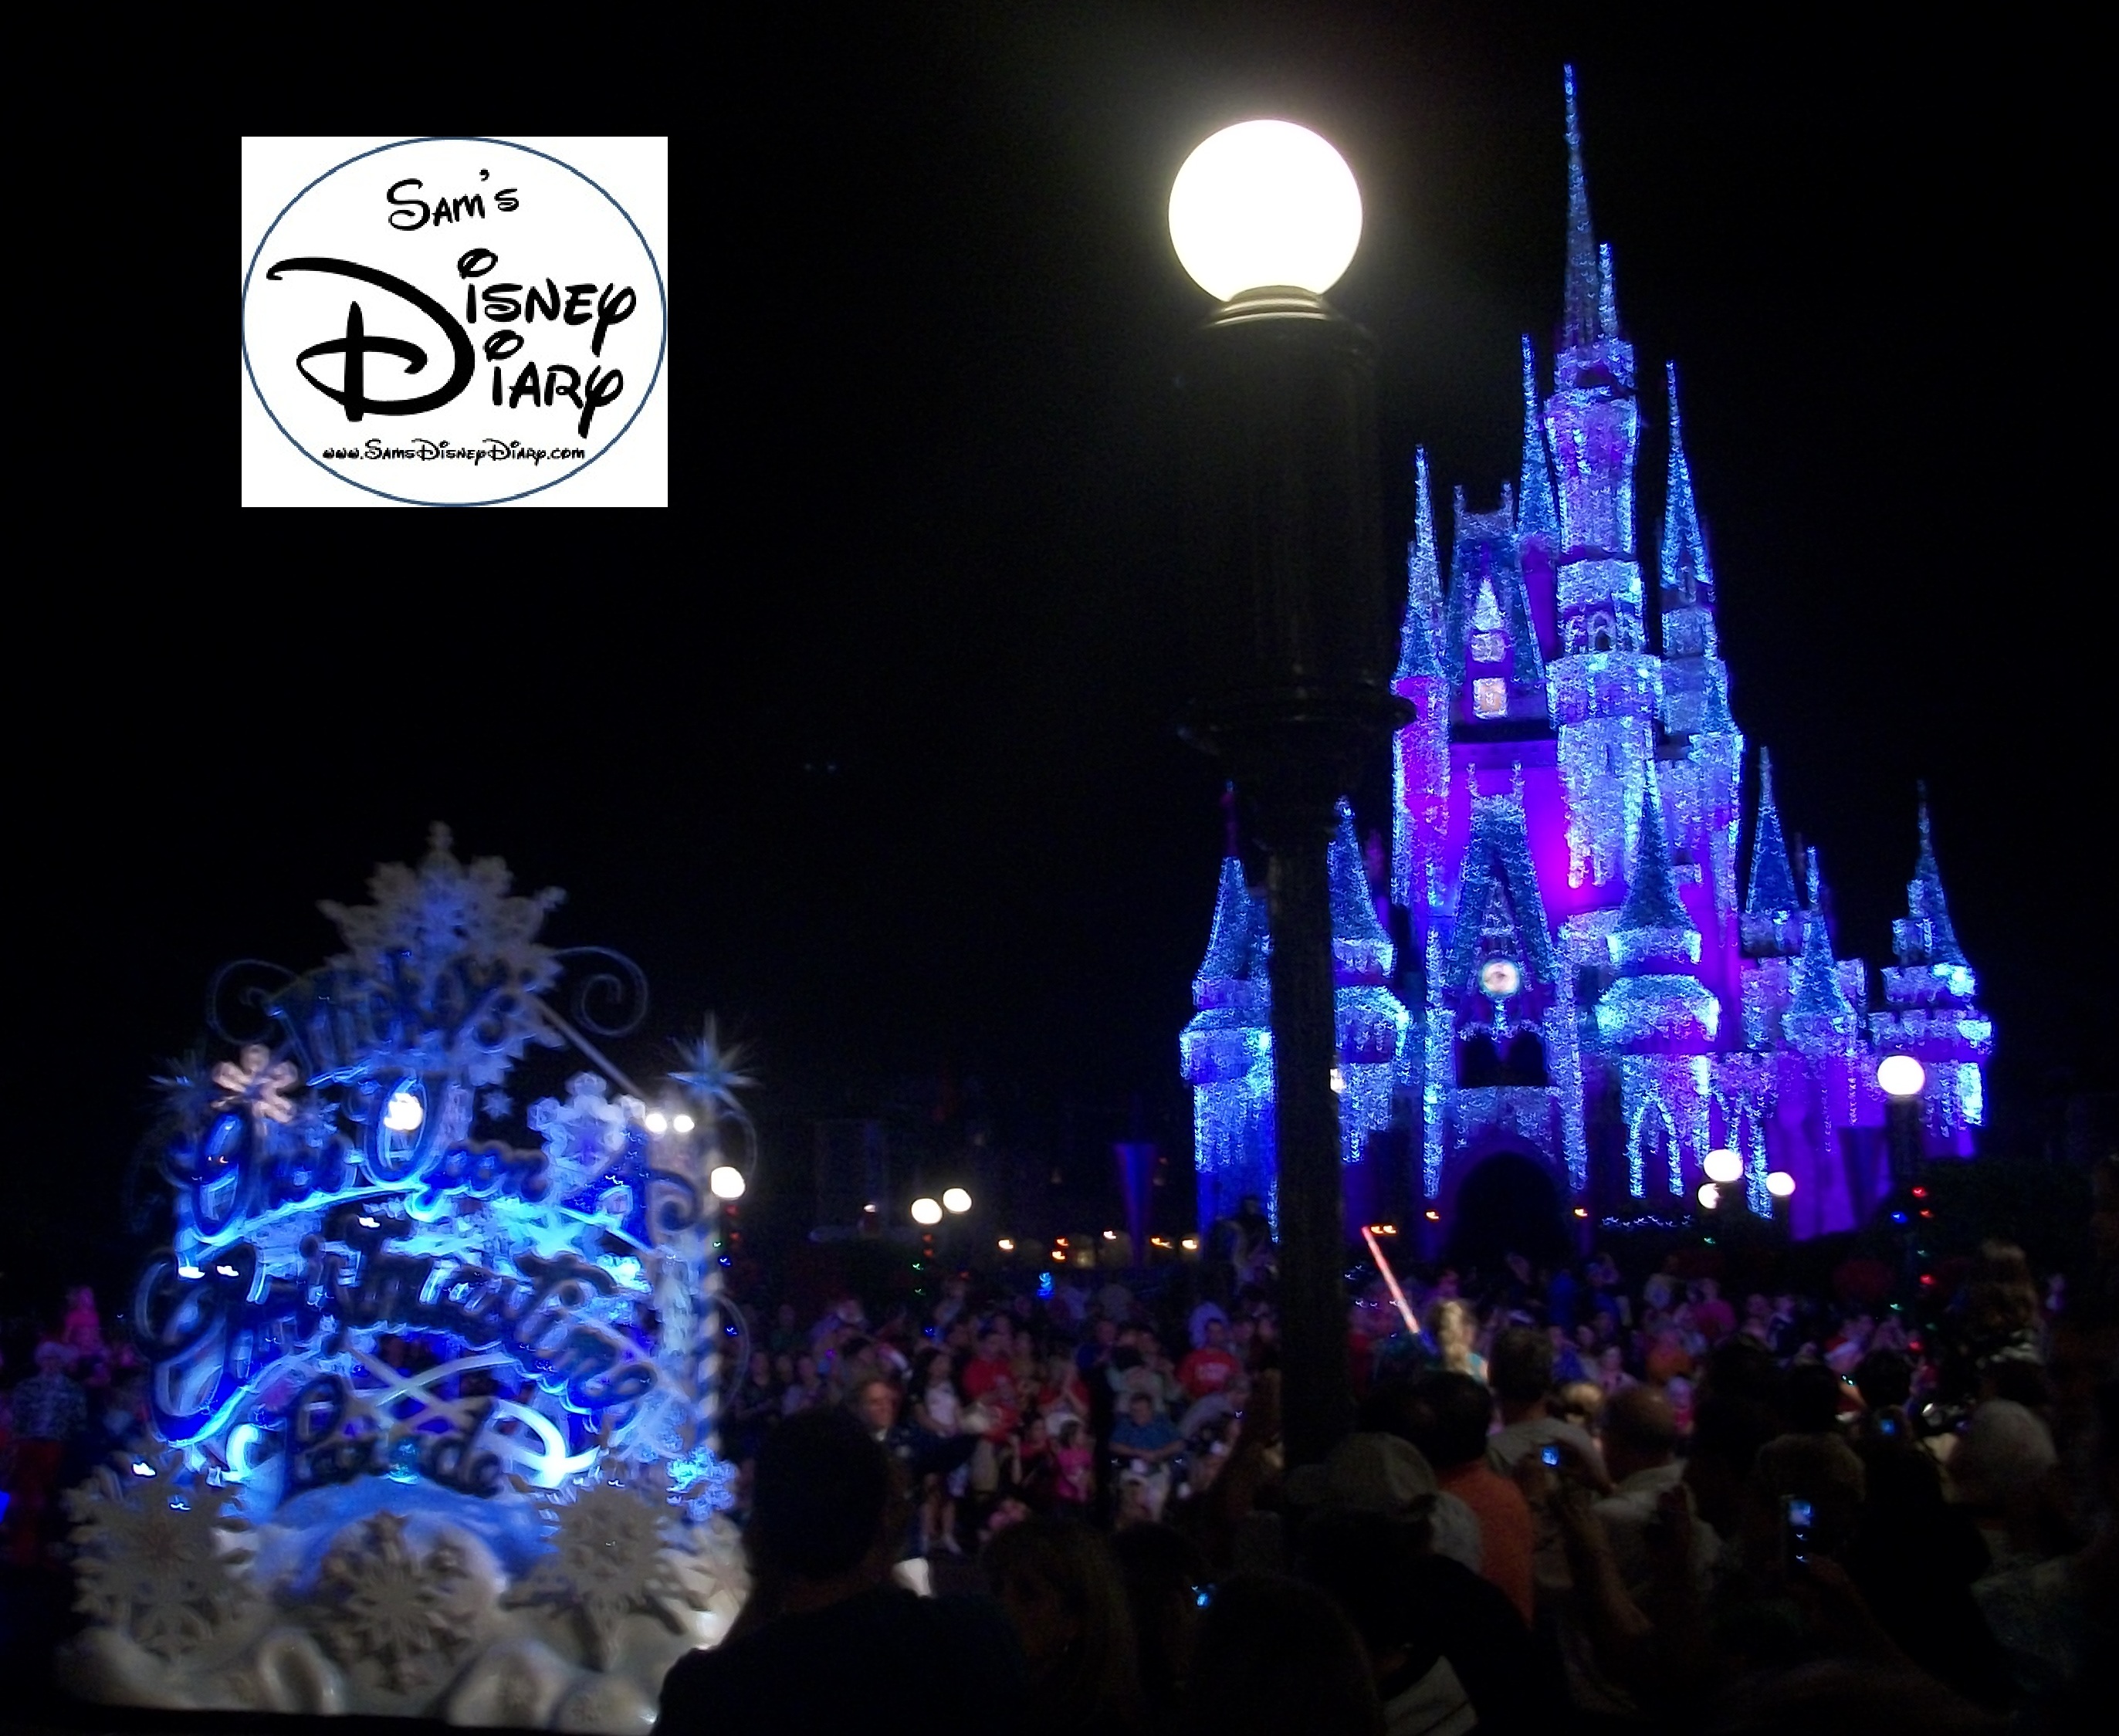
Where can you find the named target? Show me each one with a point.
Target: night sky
(885, 773)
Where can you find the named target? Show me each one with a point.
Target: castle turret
(1419, 763)
(1537, 517)
(1696, 690)
(1370, 1020)
(1657, 1023)
(1226, 1055)
(1489, 645)
(1820, 1019)
(1605, 686)
(1657, 1005)
(1932, 1012)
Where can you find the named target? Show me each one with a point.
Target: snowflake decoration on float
(702, 1484)
(380, 1599)
(152, 1561)
(455, 953)
(255, 1081)
(608, 1561)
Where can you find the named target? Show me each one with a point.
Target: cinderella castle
(1589, 979)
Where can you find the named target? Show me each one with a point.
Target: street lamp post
(1289, 601)
(1901, 1078)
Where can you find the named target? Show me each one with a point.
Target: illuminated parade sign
(373, 1273)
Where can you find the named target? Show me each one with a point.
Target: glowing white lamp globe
(925, 1210)
(1779, 1183)
(1900, 1075)
(404, 1113)
(955, 1199)
(725, 1183)
(1722, 1166)
(657, 1122)
(1265, 204)
(1710, 1195)
(681, 1123)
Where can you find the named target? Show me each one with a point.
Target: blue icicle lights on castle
(1583, 986)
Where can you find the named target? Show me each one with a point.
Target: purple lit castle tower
(1587, 998)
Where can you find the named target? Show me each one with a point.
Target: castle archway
(1507, 1203)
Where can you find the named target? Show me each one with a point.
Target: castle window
(1489, 647)
(1490, 696)
(1524, 1064)
(1600, 633)
(1478, 1062)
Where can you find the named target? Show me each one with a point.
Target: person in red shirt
(1448, 1416)
(1210, 1368)
(991, 1365)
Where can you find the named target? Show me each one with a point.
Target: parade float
(431, 1378)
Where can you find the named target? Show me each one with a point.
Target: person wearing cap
(1447, 1650)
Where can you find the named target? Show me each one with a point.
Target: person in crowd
(1275, 1654)
(1147, 1441)
(1438, 1637)
(1640, 1437)
(918, 1454)
(1522, 1374)
(807, 1390)
(1073, 1459)
(992, 1365)
(50, 1412)
(1452, 1329)
(1447, 1416)
(1211, 1366)
(1063, 1391)
(936, 1412)
(1030, 1467)
(1064, 1595)
(752, 1407)
(1611, 1371)
(1166, 1576)
(787, 1336)
(824, 1626)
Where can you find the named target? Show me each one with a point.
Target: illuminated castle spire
(1925, 937)
(1658, 1003)
(1687, 574)
(1420, 755)
(1536, 514)
(1587, 315)
(1423, 584)
(1820, 1019)
(1770, 907)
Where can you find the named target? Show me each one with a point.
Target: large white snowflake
(379, 1598)
(607, 1561)
(442, 910)
(152, 1563)
(586, 1134)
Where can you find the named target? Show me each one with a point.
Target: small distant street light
(657, 1122)
(1005, 1245)
(1779, 1183)
(1723, 1166)
(955, 1199)
(726, 1181)
(926, 1210)
(1710, 1195)
(681, 1123)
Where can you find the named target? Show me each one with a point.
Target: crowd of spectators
(1571, 1500)
(1574, 1497)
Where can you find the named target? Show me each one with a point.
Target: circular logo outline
(661, 294)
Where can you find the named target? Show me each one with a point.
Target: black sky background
(879, 761)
